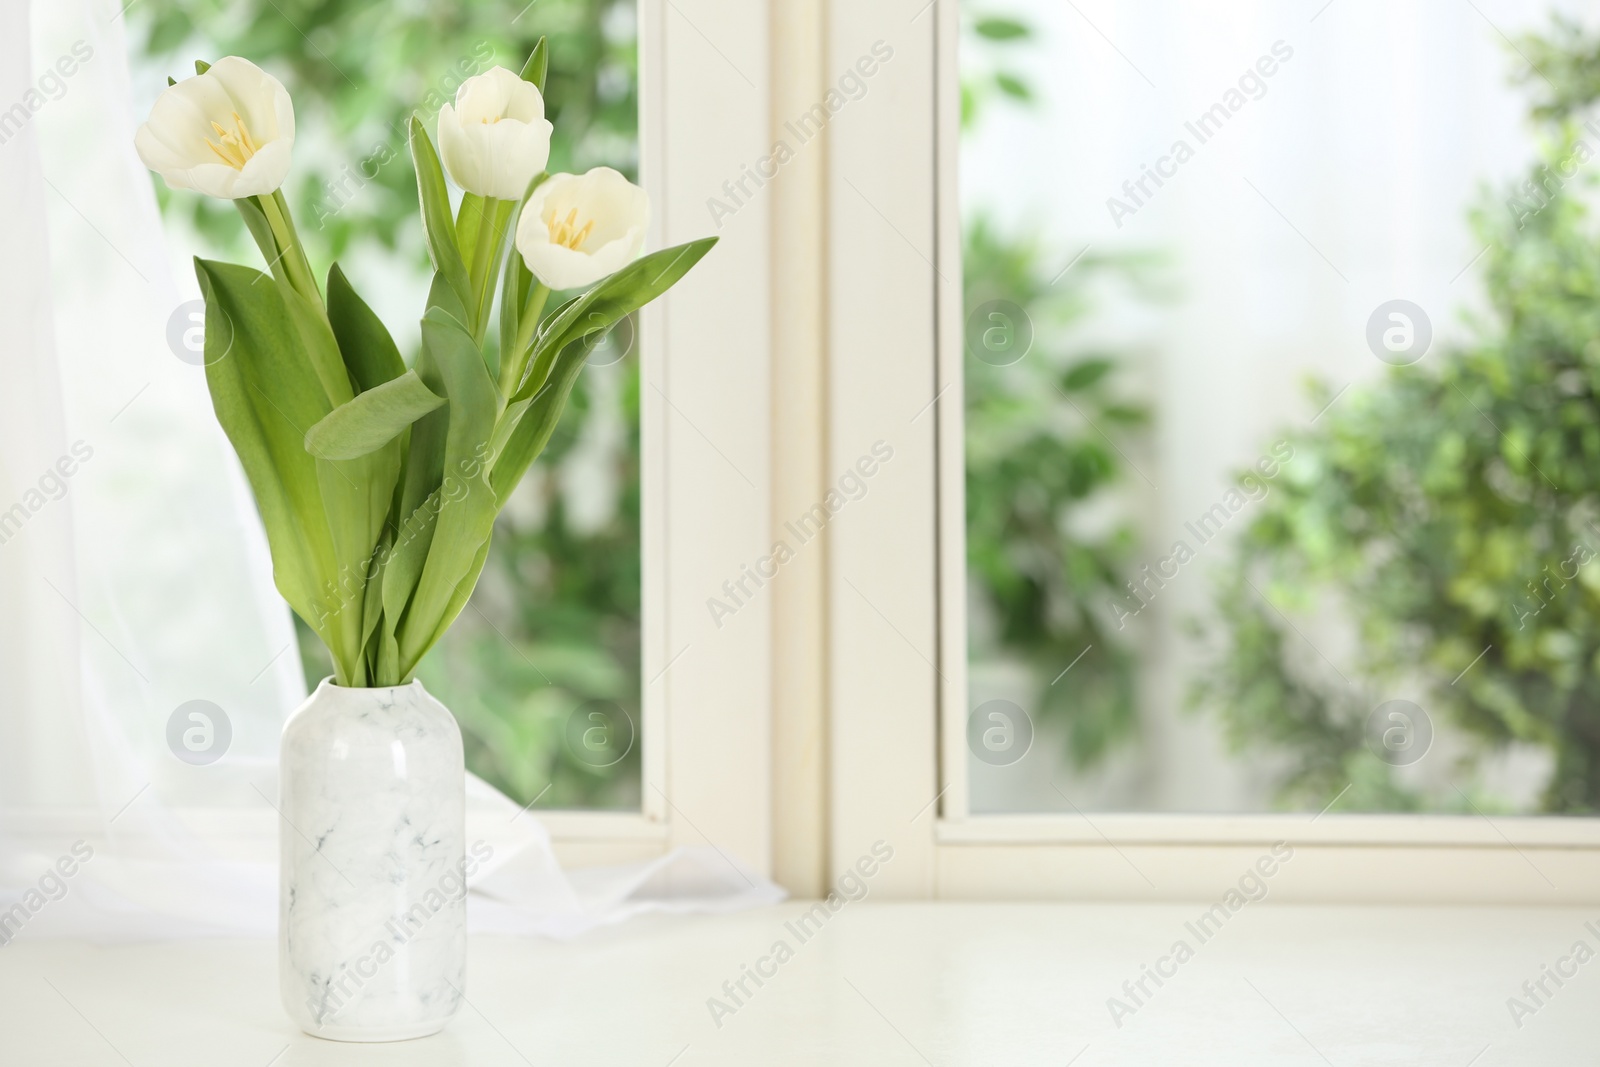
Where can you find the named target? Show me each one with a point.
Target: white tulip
(579, 228)
(495, 138)
(226, 133)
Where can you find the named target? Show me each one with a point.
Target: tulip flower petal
(228, 133)
(495, 138)
(577, 229)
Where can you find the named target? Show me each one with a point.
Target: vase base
(363, 1035)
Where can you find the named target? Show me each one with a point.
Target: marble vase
(372, 933)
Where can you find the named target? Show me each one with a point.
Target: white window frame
(897, 638)
(707, 444)
(707, 441)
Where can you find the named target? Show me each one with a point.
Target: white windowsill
(880, 983)
(1495, 831)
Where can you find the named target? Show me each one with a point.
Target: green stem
(255, 220)
(485, 252)
(292, 252)
(511, 373)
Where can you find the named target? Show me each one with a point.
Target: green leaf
(357, 496)
(201, 66)
(602, 306)
(1083, 375)
(463, 592)
(266, 396)
(388, 659)
(322, 517)
(372, 613)
(998, 28)
(310, 319)
(443, 299)
(532, 431)
(437, 225)
(373, 419)
(403, 566)
(482, 226)
(369, 352)
(1014, 86)
(420, 498)
(535, 69)
(1126, 414)
(469, 216)
(467, 507)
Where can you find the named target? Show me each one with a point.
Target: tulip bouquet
(378, 482)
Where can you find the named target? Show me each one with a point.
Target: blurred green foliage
(555, 622)
(1049, 537)
(1450, 513)
(1044, 440)
(987, 73)
(1563, 65)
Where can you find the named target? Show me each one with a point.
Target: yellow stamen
(234, 147)
(567, 233)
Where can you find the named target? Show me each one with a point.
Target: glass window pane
(543, 668)
(1280, 407)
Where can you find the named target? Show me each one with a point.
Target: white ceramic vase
(372, 931)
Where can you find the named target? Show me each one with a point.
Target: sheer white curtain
(133, 571)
